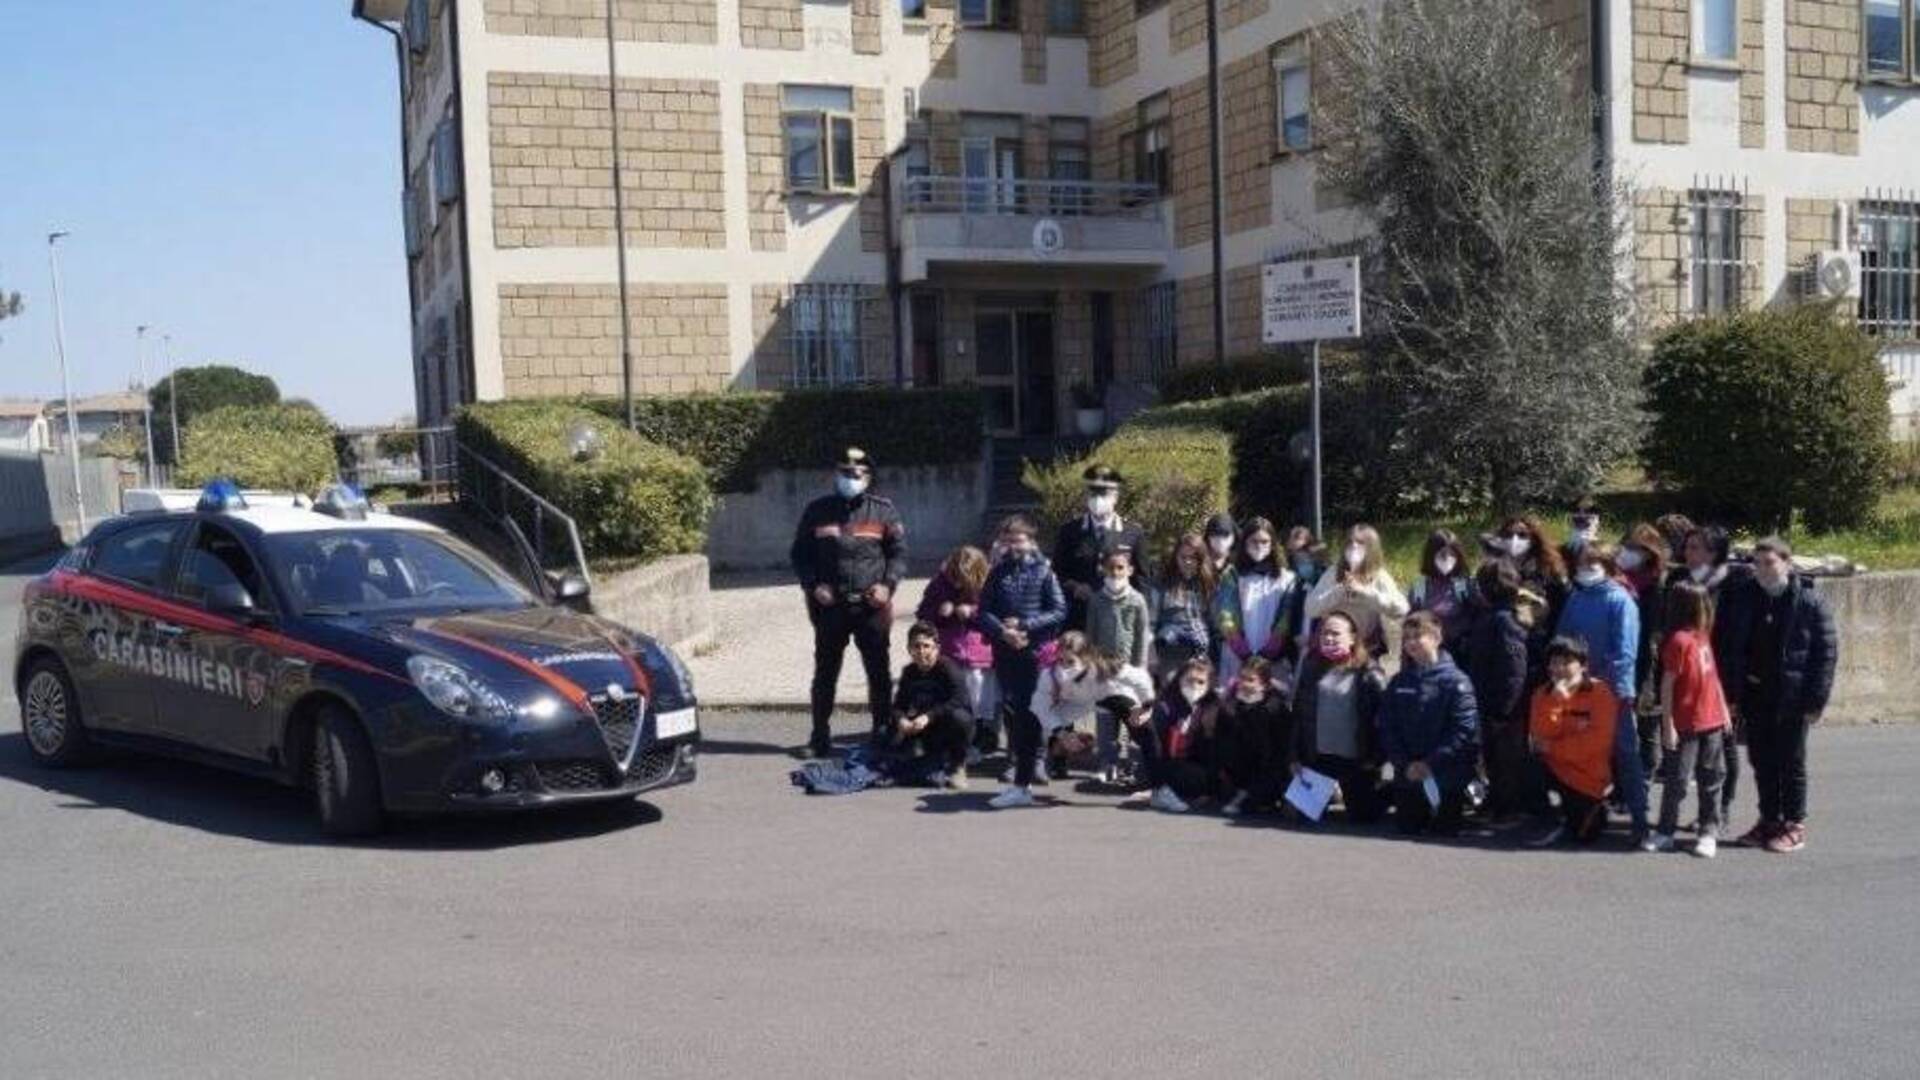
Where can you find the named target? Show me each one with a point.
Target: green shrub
(737, 436)
(633, 499)
(1765, 413)
(1176, 477)
(1243, 375)
(282, 447)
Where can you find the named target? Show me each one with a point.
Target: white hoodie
(1061, 702)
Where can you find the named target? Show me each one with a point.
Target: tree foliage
(203, 389)
(1765, 413)
(1500, 330)
(281, 447)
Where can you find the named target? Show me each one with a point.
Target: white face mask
(1518, 546)
(1356, 554)
(1103, 504)
(1259, 551)
(1071, 671)
(1630, 559)
(1590, 575)
(1219, 545)
(1444, 564)
(1774, 583)
(1117, 583)
(1700, 574)
(850, 487)
(1193, 692)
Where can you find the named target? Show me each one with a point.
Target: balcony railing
(1053, 198)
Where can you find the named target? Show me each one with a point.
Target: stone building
(1014, 193)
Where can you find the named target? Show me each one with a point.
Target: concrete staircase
(1008, 494)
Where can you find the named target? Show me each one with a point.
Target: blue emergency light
(343, 501)
(221, 495)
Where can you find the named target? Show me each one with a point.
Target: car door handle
(167, 629)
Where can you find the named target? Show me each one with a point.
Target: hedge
(633, 500)
(737, 436)
(280, 447)
(1763, 414)
(1176, 477)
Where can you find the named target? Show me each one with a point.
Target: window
(818, 123)
(1069, 164)
(1153, 143)
(1716, 265)
(1066, 17)
(990, 14)
(354, 570)
(1716, 30)
(138, 555)
(1162, 339)
(1891, 39)
(913, 9)
(417, 27)
(218, 558)
(1292, 96)
(824, 326)
(1890, 269)
(446, 162)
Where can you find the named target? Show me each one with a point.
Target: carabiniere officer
(849, 553)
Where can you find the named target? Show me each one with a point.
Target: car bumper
(530, 786)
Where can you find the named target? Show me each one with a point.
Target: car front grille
(653, 766)
(573, 775)
(619, 720)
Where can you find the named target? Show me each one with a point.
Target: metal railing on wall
(1059, 198)
(552, 533)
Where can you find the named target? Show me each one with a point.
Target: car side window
(216, 558)
(137, 555)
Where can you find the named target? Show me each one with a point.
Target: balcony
(975, 222)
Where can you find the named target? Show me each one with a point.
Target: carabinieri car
(376, 660)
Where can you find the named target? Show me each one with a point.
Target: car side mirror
(230, 599)
(572, 590)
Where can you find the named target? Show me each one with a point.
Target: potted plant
(1089, 409)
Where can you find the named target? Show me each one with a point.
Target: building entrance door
(1013, 365)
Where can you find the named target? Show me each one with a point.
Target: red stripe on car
(566, 687)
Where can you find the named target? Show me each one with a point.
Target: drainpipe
(466, 196)
(400, 69)
(891, 242)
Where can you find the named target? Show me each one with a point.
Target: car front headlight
(456, 691)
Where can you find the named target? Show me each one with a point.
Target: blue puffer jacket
(1025, 589)
(1607, 619)
(1429, 715)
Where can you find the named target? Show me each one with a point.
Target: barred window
(1890, 269)
(824, 323)
(1162, 338)
(1717, 267)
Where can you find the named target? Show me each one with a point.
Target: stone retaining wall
(1879, 620)
(943, 506)
(666, 600)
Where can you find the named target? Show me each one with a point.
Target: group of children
(1246, 668)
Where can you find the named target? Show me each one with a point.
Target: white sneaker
(1006, 775)
(1040, 776)
(1706, 847)
(1011, 798)
(1235, 805)
(1660, 842)
(1165, 799)
(1110, 775)
(955, 780)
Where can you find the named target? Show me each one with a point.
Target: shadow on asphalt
(212, 800)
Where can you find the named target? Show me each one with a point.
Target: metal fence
(1889, 233)
(549, 531)
(1063, 198)
(404, 457)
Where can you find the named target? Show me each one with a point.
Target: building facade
(1015, 194)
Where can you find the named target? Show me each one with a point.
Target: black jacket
(1306, 700)
(1077, 554)
(1498, 666)
(1809, 648)
(850, 545)
(1259, 734)
(939, 690)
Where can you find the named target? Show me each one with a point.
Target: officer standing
(849, 552)
(1083, 544)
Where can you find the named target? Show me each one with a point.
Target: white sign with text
(1310, 300)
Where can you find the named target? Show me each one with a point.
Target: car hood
(574, 654)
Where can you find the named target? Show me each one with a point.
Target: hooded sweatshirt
(1429, 715)
(1605, 616)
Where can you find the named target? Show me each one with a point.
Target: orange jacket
(1576, 735)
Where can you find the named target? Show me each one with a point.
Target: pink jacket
(960, 639)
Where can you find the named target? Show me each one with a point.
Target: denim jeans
(1629, 779)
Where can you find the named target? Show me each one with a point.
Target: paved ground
(763, 644)
(164, 920)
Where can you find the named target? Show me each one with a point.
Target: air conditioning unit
(1836, 275)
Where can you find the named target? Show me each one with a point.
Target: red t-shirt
(1698, 702)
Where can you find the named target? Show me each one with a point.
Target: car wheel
(50, 716)
(346, 784)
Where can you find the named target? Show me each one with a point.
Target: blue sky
(228, 170)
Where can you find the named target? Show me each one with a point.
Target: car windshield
(365, 571)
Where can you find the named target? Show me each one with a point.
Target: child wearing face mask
(1221, 533)
(1571, 728)
(1706, 555)
(1182, 608)
(1601, 612)
(1119, 626)
(1021, 609)
(1081, 681)
(1256, 727)
(1253, 603)
(1445, 589)
(1181, 741)
(950, 605)
(1084, 542)
(1362, 587)
(1336, 709)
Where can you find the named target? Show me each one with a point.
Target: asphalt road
(159, 919)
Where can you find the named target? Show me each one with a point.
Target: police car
(376, 660)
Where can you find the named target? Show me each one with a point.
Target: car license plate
(667, 725)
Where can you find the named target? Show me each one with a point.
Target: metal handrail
(543, 510)
(1063, 198)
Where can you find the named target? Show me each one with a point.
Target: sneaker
(1706, 847)
(1236, 805)
(1788, 839)
(1757, 836)
(1660, 841)
(1165, 799)
(1011, 798)
(1040, 776)
(1558, 835)
(1110, 775)
(955, 780)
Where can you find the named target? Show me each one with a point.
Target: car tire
(56, 734)
(346, 781)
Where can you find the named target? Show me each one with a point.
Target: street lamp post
(173, 397)
(1216, 193)
(66, 385)
(619, 221)
(146, 394)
